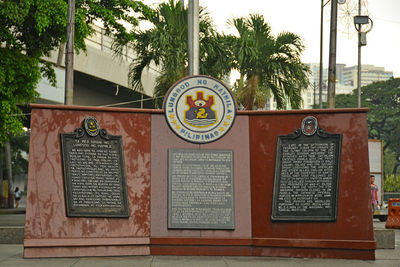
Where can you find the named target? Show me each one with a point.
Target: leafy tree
(165, 45)
(18, 78)
(19, 146)
(383, 99)
(267, 64)
(389, 161)
(30, 29)
(392, 183)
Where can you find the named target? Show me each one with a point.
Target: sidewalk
(11, 255)
(12, 224)
(19, 210)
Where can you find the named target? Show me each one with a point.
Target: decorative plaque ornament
(91, 125)
(309, 125)
(199, 109)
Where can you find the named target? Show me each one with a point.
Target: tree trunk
(69, 56)
(7, 150)
(1, 177)
(251, 94)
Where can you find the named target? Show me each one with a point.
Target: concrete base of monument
(251, 228)
(296, 248)
(201, 246)
(314, 248)
(85, 247)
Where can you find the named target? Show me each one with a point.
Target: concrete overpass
(100, 77)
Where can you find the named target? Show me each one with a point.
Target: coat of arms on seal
(200, 113)
(199, 109)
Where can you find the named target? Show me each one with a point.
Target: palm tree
(266, 64)
(165, 45)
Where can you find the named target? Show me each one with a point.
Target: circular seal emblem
(199, 109)
(309, 125)
(91, 126)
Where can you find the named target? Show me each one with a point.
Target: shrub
(391, 183)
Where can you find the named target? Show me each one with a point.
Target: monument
(198, 177)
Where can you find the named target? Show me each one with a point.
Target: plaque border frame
(336, 169)
(190, 227)
(72, 211)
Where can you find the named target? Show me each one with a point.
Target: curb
(13, 211)
(385, 238)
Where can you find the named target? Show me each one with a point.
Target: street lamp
(362, 41)
(321, 68)
(193, 37)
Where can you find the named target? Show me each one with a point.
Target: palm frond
(274, 60)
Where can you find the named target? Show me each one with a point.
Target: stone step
(12, 234)
(385, 238)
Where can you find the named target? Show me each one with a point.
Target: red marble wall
(146, 139)
(351, 236)
(200, 242)
(48, 232)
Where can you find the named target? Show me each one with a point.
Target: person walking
(17, 195)
(374, 193)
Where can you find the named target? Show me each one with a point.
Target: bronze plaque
(307, 175)
(94, 172)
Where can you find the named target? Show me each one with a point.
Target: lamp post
(193, 37)
(321, 67)
(362, 41)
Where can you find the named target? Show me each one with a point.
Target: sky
(303, 17)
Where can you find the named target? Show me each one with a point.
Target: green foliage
(19, 146)
(344, 101)
(267, 64)
(383, 99)
(389, 161)
(31, 29)
(17, 87)
(392, 183)
(165, 46)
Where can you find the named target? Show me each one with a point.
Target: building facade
(346, 81)
(100, 77)
(369, 74)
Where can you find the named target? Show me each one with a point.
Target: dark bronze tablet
(94, 172)
(306, 175)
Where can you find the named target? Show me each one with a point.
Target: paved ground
(11, 255)
(12, 219)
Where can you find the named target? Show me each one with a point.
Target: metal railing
(104, 43)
